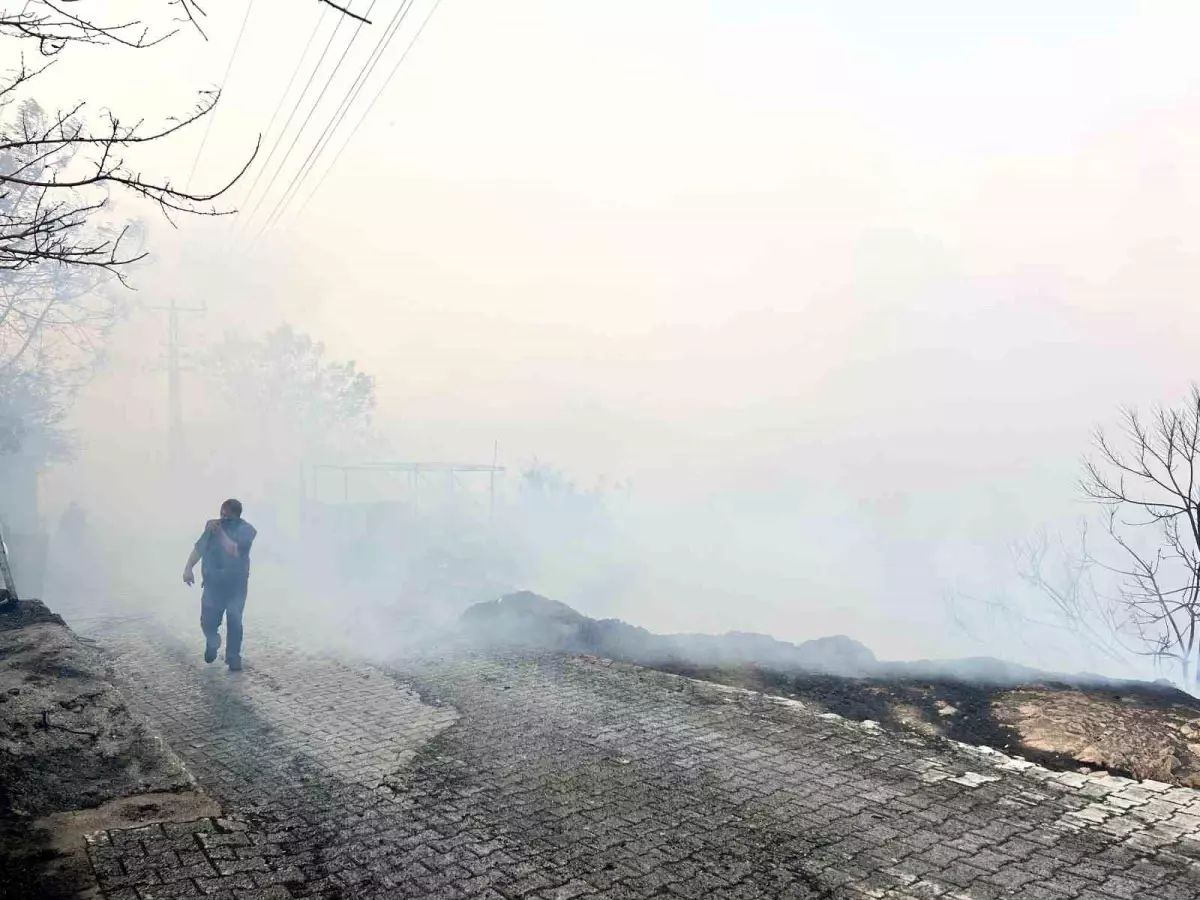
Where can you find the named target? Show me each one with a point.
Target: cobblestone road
(463, 775)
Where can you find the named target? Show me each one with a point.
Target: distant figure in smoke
(71, 570)
(224, 548)
(73, 526)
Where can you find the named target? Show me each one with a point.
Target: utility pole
(492, 483)
(175, 442)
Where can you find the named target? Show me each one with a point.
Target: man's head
(231, 509)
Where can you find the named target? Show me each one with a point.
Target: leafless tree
(1064, 575)
(57, 171)
(55, 308)
(61, 248)
(1067, 603)
(1148, 481)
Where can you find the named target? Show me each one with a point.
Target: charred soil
(1130, 728)
(69, 746)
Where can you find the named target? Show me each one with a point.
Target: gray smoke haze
(814, 306)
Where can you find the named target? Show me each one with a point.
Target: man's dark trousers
(228, 600)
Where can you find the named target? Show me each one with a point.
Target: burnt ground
(69, 746)
(467, 773)
(1137, 732)
(460, 773)
(1129, 728)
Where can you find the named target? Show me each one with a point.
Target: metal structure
(416, 471)
(8, 592)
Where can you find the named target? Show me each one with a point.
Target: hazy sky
(842, 286)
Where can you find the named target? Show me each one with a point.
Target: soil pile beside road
(72, 756)
(529, 619)
(1132, 728)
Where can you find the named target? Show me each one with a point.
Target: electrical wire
(295, 108)
(308, 118)
(343, 109)
(224, 81)
(335, 123)
(370, 106)
(279, 106)
(296, 71)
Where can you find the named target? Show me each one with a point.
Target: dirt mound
(26, 612)
(985, 669)
(528, 619)
(1136, 729)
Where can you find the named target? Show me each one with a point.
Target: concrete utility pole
(492, 483)
(175, 442)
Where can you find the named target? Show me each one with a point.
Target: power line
(370, 106)
(224, 81)
(343, 109)
(279, 105)
(321, 96)
(296, 71)
(336, 28)
(295, 107)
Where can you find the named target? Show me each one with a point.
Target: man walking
(224, 548)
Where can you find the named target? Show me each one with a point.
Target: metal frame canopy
(415, 470)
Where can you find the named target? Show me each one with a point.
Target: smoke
(762, 478)
(815, 314)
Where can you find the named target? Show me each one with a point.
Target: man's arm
(188, 576)
(225, 542)
(246, 536)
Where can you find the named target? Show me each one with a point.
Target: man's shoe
(235, 665)
(210, 654)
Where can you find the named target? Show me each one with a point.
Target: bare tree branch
(1149, 489)
(345, 10)
(61, 250)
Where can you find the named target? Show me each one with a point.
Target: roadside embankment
(73, 759)
(1143, 730)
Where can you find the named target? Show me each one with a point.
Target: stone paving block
(460, 774)
(271, 893)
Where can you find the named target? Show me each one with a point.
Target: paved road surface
(466, 775)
